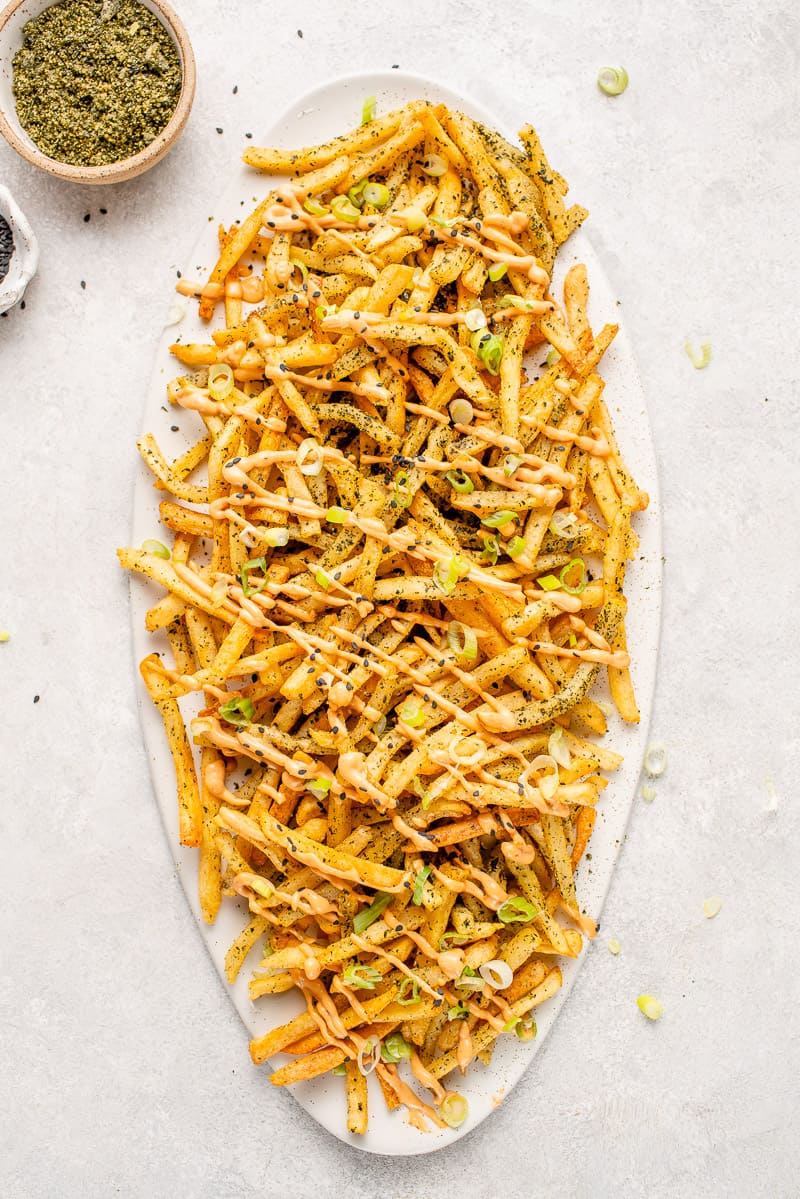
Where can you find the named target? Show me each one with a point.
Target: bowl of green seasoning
(94, 91)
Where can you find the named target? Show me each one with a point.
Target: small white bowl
(25, 256)
(13, 18)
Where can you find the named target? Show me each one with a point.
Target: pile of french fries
(396, 574)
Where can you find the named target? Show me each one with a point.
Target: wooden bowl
(12, 19)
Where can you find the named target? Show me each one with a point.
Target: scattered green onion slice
(655, 760)
(459, 1011)
(699, 359)
(435, 220)
(469, 980)
(462, 641)
(368, 110)
(552, 358)
(356, 193)
(446, 574)
(396, 1047)
(517, 910)
(434, 165)
(220, 381)
(337, 516)
(461, 412)
(515, 547)
(549, 582)
(454, 1110)
(155, 547)
(573, 640)
(364, 919)
(239, 710)
(612, 80)
(460, 481)
(412, 713)
(497, 270)
(342, 207)
(613, 946)
(319, 787)
(314, 207)
(276, 537)
(419, 884)
(558, 749)
(582, 581)
(514, 301)
(309, 457)
(301, 266)
(403, 494)
(415, 219)
(491, 548)
(244, 576)
(650, 1006)
(369, 1055)
(478, 337)
(511, 463)
(564, 524)
(322, 579)
(4, 635)
(525, 1028)
(475, 319)
(377, 194)
(490, 352)
(648, 793)
(448, 939)
(407, 984)
(340, 1069)
(712, 907)
(496, 520)
(361, 976)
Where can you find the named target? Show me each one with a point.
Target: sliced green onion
(309, 457)
(461, 412)
(319, 787)
(368, 110)
(497, 270)
(648, 793)
(454, 1110)
(511, 463)
(459, 1011)
(337, 516)
(322, 579)
(475, 319)
(244, 576)
(564, 524)
(701, 359)
(411, 984)
(435, 220)
(496, 520)
(239, 710)
(314, 207)
(403, 495)
(469, 980)
(220, 381)
(650, 1007)
(342, 207)
(355, 194)
(573, 640)
(276, 537)
(526, 1028)
(369, 1055)
(361, 976)
(582, 581)
(655, 760)
(155, 547)
(377, 194)
(396, 1047)
(448, 939)
(478, 338)
(515, 301)
(497, 974)
(516, 547)
(460, 481)
(4, 635)
(552, 358)
(364, 919)
(412, 713)
(613, 946)
(490, 352)
(415, 219)
(419, 884)
(517, 910)
(462, 641)
(558, 749)
(446, 574)
(340, 1069)
(301, 266)
(612, 80)
(491, 549)
(549, 582)
(712, 907)
(434, 165)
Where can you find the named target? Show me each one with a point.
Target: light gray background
(123, 1067)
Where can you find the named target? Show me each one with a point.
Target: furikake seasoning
(95, 80)
(6, 247)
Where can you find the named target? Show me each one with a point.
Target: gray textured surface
(123, 1067)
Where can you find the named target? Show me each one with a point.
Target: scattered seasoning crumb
(6, 247)
(235, 88)
(83, 284)
(22, 305)
(104, 212)
(299, 33)
(712, 907)
(248, 135)
(87, 216)
(613, 946)
(36, 699)
(218, 129)
(173, 428)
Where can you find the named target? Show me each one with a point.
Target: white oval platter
(315, 117)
